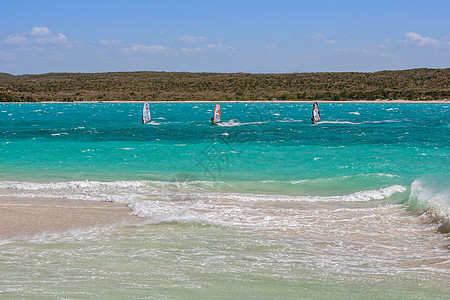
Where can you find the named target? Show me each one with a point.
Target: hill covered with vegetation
(415, 84)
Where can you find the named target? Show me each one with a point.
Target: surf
(430, 199)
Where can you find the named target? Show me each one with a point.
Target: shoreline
(445, 101)
(26, 217)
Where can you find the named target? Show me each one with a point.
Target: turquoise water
(264, 205)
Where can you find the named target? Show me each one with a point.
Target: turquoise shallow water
(264, 205)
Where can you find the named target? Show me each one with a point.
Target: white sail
(315, 113)
(146, 114)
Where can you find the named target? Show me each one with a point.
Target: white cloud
(219, 44)
(16, 40)
(420, 40)
(189, 51)
(44, 36)
(40, 31)
(37, 35)
(154, 49)
(189, 39)
(212, 46)
(53, 39)
(322, 37)
(110, 42)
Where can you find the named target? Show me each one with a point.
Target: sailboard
(216, 117)
(315, 113)
(146, 114)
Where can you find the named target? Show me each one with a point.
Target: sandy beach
(23, 217)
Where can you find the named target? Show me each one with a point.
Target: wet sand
(24, 217)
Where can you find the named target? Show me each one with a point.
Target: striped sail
(216, 117)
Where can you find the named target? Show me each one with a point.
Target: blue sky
(280, 36)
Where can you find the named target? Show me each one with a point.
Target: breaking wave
(160, 201)
(431, 200)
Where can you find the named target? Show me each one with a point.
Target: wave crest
(432, 202)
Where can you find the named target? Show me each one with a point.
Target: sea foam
(432, 201)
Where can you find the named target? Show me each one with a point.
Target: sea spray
(431, 200)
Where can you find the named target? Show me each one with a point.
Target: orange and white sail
(216, 116)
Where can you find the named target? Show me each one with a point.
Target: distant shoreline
(415, 85)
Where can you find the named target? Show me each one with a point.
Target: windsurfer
(146, 114)
(315, 113)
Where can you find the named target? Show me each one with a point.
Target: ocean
(264, 205)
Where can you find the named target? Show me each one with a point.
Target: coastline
(26, 217)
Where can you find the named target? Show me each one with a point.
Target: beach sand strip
(25, 217)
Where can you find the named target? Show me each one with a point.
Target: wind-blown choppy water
(264, 205)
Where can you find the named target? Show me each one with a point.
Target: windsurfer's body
(315, 113)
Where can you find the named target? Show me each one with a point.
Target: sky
(252, 36)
